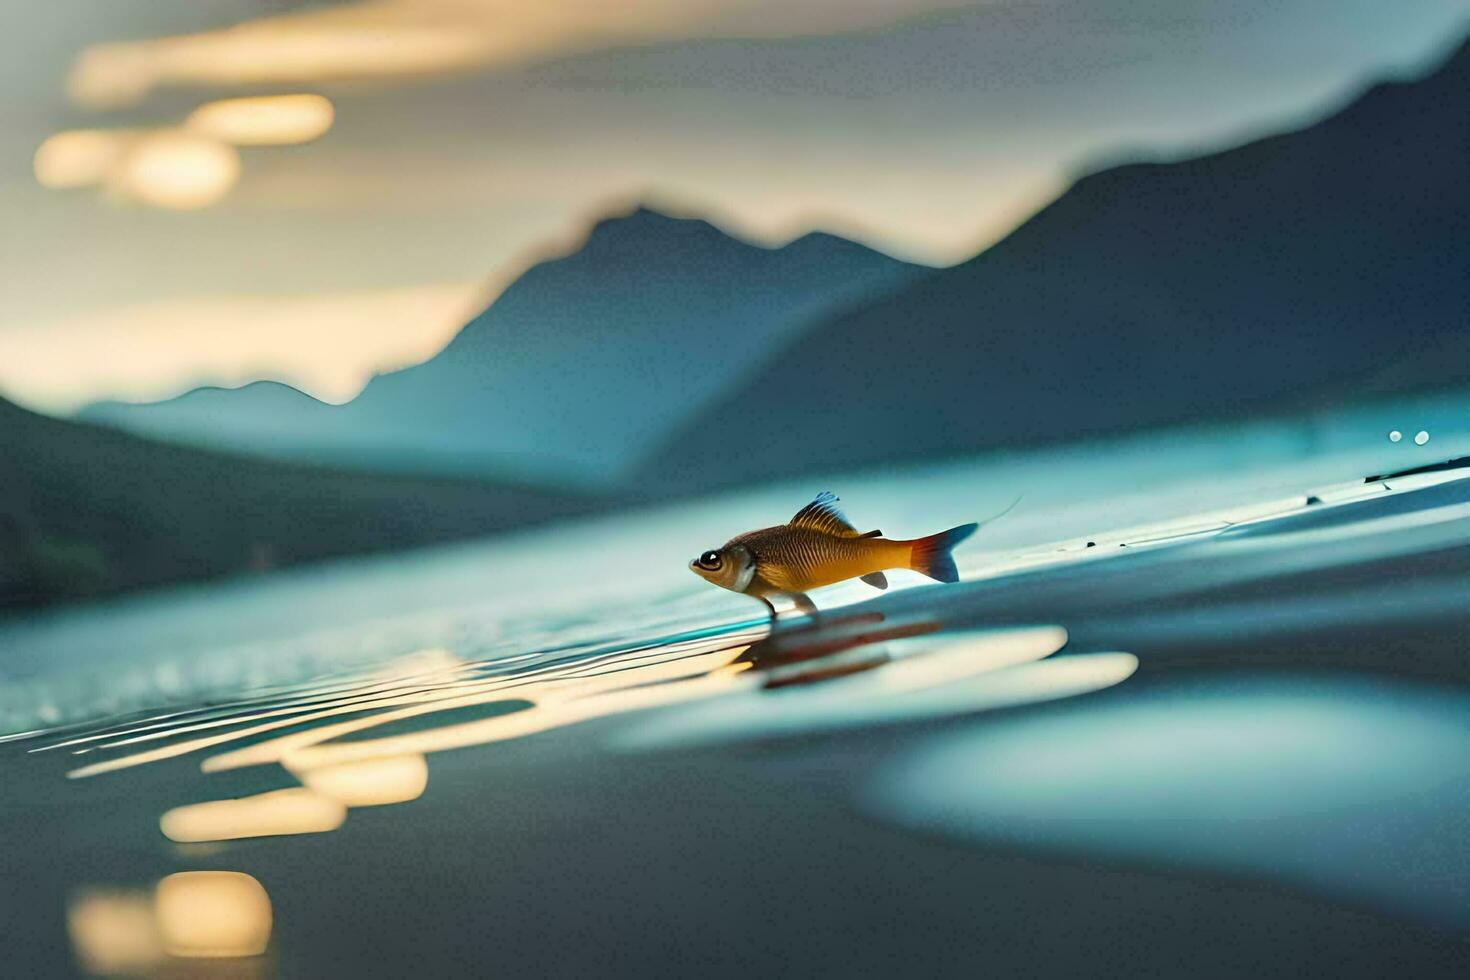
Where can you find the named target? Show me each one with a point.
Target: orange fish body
(793, 558)
(819, 547)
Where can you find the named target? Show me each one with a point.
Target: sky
(446, 144)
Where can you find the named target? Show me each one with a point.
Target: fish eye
(710, 560)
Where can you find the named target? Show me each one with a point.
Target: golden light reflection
(191, 914)
(583, 678)
(79, 157)
(264, 120)
(350, 705)
(113, 931)
(560, 701)
(287, 811)
(213, 914)
(430, 666)
(372, 782)
(176, 170)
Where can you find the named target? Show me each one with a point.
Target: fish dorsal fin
(822, 515)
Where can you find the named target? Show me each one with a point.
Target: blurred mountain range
(1313, 268)
(580, 367)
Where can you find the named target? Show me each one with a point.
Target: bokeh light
(79, 157)
(213, 914)
(112, 931)
(285, 811)
(176, 170)
(372, 782)
(266, 120)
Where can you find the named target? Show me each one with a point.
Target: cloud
(327, 344)
(407, 38)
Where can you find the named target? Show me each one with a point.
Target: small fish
(819, 547)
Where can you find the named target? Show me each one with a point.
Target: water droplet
(1395, 436)
(1421, 438)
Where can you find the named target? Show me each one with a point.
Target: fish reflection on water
(918, 674)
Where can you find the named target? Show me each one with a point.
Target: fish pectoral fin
(876, 579)
(822, 515)
(800, 600)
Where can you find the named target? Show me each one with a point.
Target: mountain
(580, 366)
(1314, 267)
(264, 416)
(86, 510)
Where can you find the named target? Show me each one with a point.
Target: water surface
(1213, 682)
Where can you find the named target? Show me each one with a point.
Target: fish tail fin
(931, 556)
